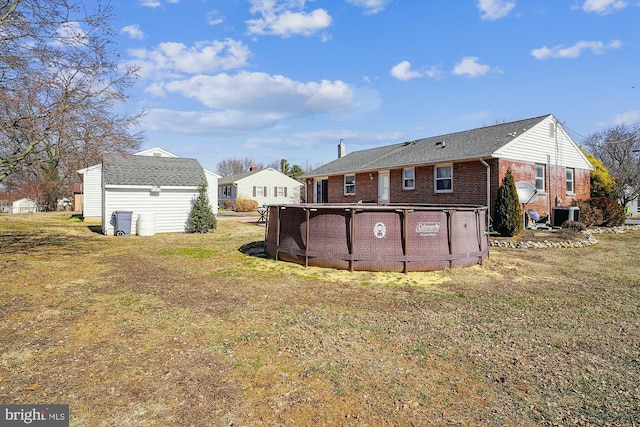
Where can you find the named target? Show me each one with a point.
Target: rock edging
(588, 239)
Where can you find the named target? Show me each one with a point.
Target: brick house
(460, 168)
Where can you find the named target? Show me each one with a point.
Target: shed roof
(470, 144)
(151, 170)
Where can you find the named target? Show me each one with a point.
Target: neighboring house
(24, 206)
(153, 182)
(460, 168)
(266, 186)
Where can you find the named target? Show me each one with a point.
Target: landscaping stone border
(587, 241)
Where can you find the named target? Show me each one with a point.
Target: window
(540, 177)
(280, 192)
(408, 179)
(444, 178)
(226, 191)
(570, 189)
(257, 192)
(349, 184)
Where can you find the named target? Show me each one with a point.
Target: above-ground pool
(366, 237)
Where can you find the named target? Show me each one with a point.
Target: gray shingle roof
(470, 144)
(230, 179)
(151, 170)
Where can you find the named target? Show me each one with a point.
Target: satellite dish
(527, 193)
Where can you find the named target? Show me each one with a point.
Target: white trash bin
(146, 224)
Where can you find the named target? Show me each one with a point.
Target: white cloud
(246, 101)
(205, 122)
(133, 31)
(371, 7)
(263, 92)
(603, 6)
(156, 3)
(628, 118)
(434, 72)
(492, 10)
(403, 71)
(470, 67)
(204, 56)
(214, 17)
(280, 20)
(150, 3)
(559, 51)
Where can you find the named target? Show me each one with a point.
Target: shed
(153, 182)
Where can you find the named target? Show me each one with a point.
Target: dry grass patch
(184, 329)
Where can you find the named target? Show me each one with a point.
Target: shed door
(383, 187)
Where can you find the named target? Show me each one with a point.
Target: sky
(288, 79)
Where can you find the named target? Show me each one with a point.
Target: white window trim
(435, 178)
(345, 185)
(544, 177)
(404, 179)
(573, 181)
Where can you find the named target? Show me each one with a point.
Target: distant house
(460, 168)
(266, 186)
(153, 182)
(24, 206)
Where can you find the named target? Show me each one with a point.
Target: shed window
(408, 179)
(443, 178)
(349, 184)
(570, 189)
(540, 169)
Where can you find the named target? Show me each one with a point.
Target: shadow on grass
(13, 243)
(256, 249)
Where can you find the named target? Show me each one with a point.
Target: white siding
(170, 207)
(24, 206)
(271, 179)
(546, 139)
(155, 151)
(92, 191)
(212, 189)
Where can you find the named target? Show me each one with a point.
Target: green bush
(508, 219)
(201, 218)
(246, 205)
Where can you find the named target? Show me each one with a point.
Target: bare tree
(236, 166)
(618, 148)
(60, 86)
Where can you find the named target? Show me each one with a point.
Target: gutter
(488, 188)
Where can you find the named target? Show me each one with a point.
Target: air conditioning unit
(565, 213)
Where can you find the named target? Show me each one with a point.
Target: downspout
(488, 190)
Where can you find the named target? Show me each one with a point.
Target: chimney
(253, 168)
(341, 149)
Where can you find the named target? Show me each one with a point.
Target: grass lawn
(184, 329)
